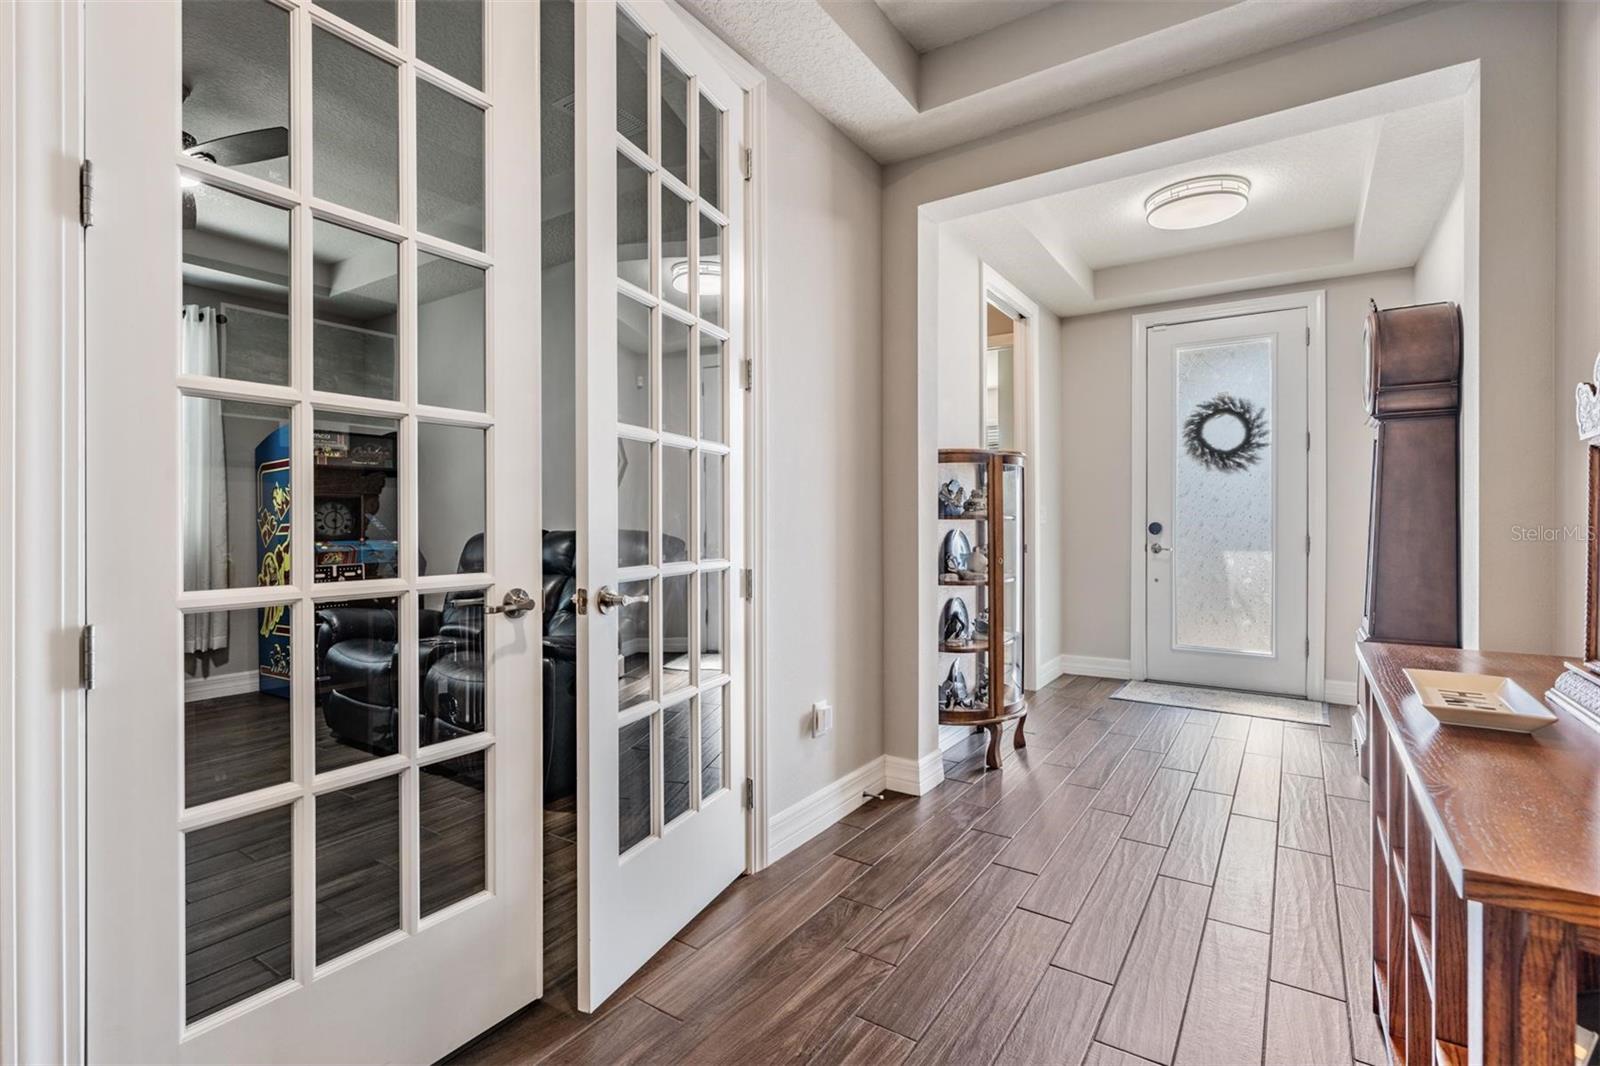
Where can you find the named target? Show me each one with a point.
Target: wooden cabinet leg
(993, 760)
(1020, 741)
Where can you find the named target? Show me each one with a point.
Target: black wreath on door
(1252, 442)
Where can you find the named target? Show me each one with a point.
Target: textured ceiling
(1335, 200)
(930, 24)
(1056, 58)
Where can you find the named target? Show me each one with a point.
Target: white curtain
(205, 483)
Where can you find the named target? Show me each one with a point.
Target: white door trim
(993, 283)
(1312, 301)
(41, 560)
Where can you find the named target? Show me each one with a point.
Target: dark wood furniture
(1485, 868)
(997, 653)
(1413, 400)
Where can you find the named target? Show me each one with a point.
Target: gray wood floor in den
(1140, 884)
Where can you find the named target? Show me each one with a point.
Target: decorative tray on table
(1484, 701)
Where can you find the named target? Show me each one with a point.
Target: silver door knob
(1157, 549)
(608, 597)
(517, 603)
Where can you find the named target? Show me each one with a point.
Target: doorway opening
(1315, 202)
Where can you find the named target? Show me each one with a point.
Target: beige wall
(1510, 214)
(1096, 422)
(824, 474)
(962, 329)
(1441, 268)
(1578, 295)
(961, 334)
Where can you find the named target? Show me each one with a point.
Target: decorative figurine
(952, 498)
(980, 625)
(978, 564)
(977, 503)
(953, 692)
(957, 550)
(955, 624)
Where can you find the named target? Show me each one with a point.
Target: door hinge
(747, 374)
(86, 194)
(747, 583)
(1308, 440)
(86, 658)
(1308, 543)
(747, 163)
(1308, 336)
(1308, 647)
(749, 794)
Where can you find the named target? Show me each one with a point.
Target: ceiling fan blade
(253, 146)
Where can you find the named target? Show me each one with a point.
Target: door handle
(517, 603)
(608, 597)
(1158, 548)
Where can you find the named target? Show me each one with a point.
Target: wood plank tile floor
(1140, 884)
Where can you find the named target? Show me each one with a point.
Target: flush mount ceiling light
(710, 276)
(1197, 202)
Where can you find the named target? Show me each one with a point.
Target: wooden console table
(1485, 868)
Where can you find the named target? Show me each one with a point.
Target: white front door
(661, 531)
(1225, 532)
(313, 773)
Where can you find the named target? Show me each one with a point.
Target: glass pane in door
(239, 887)
(355, 127)
(237, 669)
(450, 37)
(356, 509)
(1222, 551)
(452, 830)
(236, 86)
(235, 472)
(451, 311)
(450, 166)
(358, 866)
(354, 346)
(635, 758)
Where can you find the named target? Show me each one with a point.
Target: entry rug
(1256, 704)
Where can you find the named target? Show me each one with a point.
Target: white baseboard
(218, 685)
(1094, 666)
(799, 822)
(1050, 670)
(1342, 693)
(913, 777)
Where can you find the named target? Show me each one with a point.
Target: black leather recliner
(357, 654)
(560, 665)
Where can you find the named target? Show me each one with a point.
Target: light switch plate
(821, 718)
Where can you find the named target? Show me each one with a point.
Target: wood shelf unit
(999, 592)
(1485, 869)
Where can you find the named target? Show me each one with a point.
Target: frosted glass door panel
(1223, 508)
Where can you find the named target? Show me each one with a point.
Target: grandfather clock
(1413, 400)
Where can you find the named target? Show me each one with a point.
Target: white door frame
(1025, 375)
(1312, 301)
(41, 559)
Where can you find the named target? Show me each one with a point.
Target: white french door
(313, 469)
(660, 430)
(1226, 508)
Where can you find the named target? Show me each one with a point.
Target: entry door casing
(1227, 481)
(660, 427)
(369, 889)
